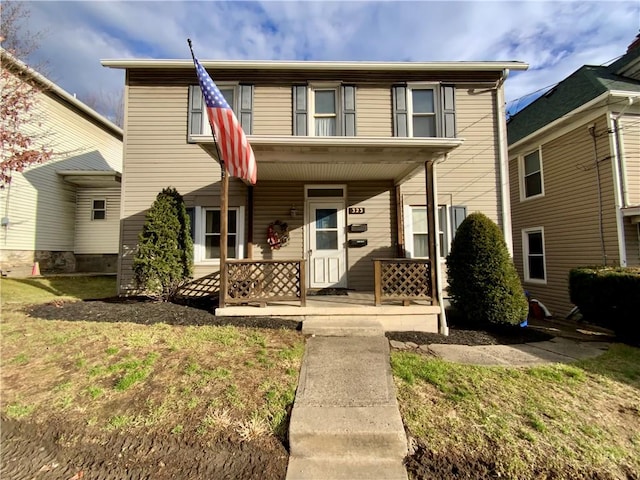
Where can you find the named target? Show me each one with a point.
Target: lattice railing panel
(403, 279)
(262, 280)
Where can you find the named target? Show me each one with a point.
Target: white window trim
(523, 193)
(436, 104)
(93, 209)
(525, 255)
(311, 114)
(408, 231)
(199, 243)
(206, 127)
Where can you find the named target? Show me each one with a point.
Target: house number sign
(356, 210)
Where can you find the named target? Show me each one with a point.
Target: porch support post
(250, 212)
(433, 232)
(224, 226)
(400, 251)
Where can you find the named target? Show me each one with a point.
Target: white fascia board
(315, 65)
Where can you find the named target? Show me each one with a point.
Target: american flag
(233, 145)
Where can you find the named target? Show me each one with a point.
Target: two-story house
(64, 214)
(575, 178)
(359, 160)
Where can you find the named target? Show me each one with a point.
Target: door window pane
(325, 192)
(326, 240)
(326, 218)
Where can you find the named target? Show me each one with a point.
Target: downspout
(503, 163)
(443, 327)
(618, 187)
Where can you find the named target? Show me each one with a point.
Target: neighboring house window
(206, 233)
(531, 175)
(417, 234)
(239, 98)
(324, 110)
(534, 259)
(424, 110)
(99, 209)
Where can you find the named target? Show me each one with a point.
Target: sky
(554, 38)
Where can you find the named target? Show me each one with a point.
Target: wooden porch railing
(403, 279)
(259, 281)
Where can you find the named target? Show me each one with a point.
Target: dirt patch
(424, 464)
(466, 336)
(60, 450)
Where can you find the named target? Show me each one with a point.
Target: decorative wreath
(277, 234)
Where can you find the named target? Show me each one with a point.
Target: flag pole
(224, 212)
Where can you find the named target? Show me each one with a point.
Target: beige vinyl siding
(97, 236)
(373, 111)
(378, 201)
(272, 110)
(630, 125)
(469, 175)
(39, 204)
(157, 156)
(568, 211)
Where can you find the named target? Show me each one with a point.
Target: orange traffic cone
(35, 270)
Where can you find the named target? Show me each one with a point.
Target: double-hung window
(324, 110)
(424, 110)
(98, 209)
(239, 98)
(531, 181)
(417, 231)
(533, 254)
(206, 233)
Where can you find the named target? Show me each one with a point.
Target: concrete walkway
(345, 422)
(556, 350)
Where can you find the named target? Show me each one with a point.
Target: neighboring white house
(64, 213)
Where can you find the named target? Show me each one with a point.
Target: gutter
(503, 163)
(314, 65)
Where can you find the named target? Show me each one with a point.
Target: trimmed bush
(164, 258)
(609, 297)
(483, 282)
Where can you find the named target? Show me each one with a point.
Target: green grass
(130, 377)
(584, 413)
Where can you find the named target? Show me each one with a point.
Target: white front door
(326, 235)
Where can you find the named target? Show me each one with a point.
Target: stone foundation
(105, 263)
(19, 263)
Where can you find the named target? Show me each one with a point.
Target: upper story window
(239, 98)
(531, 181)
(324, 110)
(424, 110)
(98, 209)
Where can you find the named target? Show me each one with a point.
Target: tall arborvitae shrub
(483, 282)
(164, 259)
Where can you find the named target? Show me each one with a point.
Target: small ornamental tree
(164, 259)
(483, 282)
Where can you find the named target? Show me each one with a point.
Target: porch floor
(418, 316)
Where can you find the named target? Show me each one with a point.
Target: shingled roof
(583, 85)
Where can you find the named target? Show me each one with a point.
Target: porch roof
(92, 178)
(291, 158)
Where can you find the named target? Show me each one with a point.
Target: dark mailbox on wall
(358, 242)
(358, 228)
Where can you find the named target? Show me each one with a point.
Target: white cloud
(555, 38)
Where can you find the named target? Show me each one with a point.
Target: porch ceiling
(342, 158)
(92, 178)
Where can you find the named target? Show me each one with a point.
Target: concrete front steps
(345, 422)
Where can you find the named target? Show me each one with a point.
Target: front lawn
(557, 421)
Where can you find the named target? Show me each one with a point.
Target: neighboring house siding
(97, 236)
(373, 111)
(272, 110)
(568, 211)
(378, 201)
(39, 204)
(632, 239)
(158, 156)
(469, 176)
(630, 125)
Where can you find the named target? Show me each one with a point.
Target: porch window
(531, 182)
(533, 254)
(239, 98)
(417, 237)
(206, 233)
(98, 209)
